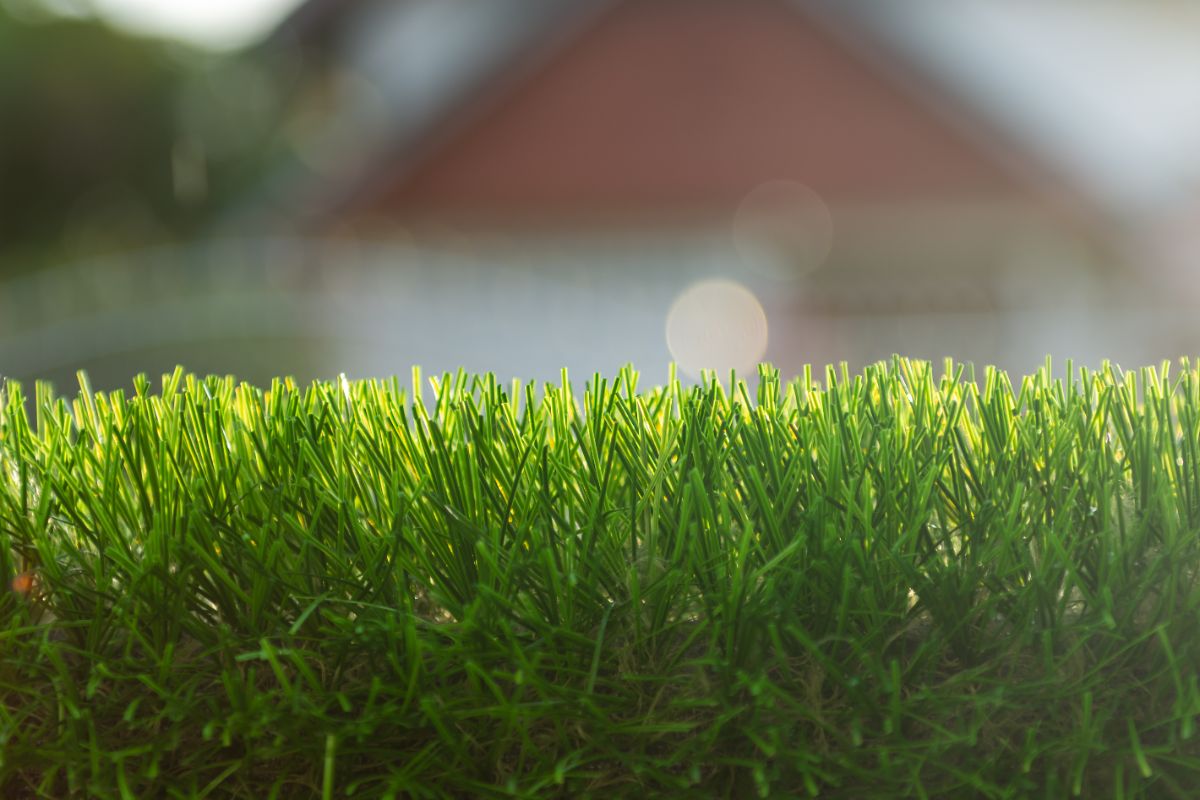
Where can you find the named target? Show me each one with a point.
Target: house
(522, 184)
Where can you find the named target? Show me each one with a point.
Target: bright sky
(210, 23)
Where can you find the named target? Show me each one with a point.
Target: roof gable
(686, 105)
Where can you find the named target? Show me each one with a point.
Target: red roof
(683, 106)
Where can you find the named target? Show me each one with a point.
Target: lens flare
(783, 230)
(716, 324)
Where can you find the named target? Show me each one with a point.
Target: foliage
(891, 585)
(113, 142)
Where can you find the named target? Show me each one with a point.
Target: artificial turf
(897, 583)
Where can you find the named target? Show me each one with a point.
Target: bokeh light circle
(783, 230)
(716, 324)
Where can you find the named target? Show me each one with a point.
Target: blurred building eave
(1104, 94)
(398, 107)
(404, 108)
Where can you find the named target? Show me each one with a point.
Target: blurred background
(310, 187)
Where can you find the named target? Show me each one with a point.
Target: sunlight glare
(221, 24)
(716, 324)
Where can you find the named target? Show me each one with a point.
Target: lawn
(905, 582)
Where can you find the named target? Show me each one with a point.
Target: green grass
(890, 584)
